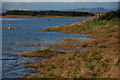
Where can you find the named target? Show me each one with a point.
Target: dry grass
(40, 53)
(79, 64)
(88, 59)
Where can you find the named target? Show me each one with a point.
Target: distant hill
(5, 10)
(94, 10)
(47, 13)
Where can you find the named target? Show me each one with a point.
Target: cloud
(70, 0)
(30, 0)
(108, 1)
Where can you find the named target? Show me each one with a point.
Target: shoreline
(25, 16)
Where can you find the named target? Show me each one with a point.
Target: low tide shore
(96, 58)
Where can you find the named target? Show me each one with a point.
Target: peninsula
(51, 13)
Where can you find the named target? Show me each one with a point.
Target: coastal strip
(99, 59)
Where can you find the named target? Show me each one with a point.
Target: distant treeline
(110, 15)
(47, 13)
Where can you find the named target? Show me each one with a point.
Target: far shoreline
(26, 16)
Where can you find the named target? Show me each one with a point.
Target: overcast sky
(60, 0)
(58, 5)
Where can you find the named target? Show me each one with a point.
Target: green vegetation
(87, 27)
(110, 15)
(47, 13)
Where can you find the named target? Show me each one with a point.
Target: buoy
(9, 28)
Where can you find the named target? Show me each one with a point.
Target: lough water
(30, 33)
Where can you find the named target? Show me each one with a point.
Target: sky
(57, 5)
(66, 4)
(60, 0)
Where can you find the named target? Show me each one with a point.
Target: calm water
(30, 33)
